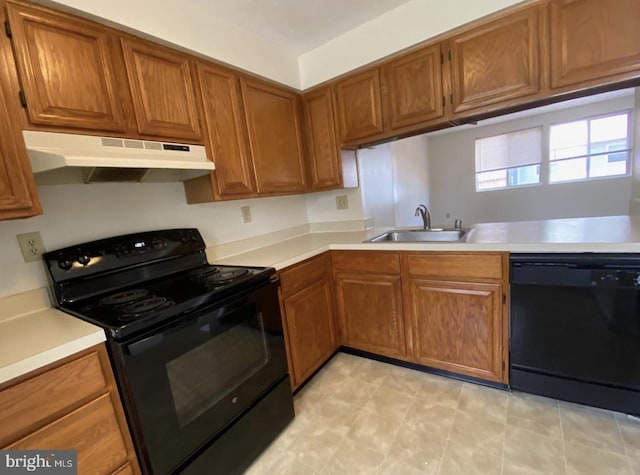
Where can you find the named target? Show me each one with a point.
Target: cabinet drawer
(367, 261)
(302, 275)
(452, 266)
(92, 430)
(39, 400)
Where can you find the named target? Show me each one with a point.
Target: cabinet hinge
(441, 58)
(451, 98)
(504, 298)
(449, 55)
(444, 101)
(23, 99)
(7, 29)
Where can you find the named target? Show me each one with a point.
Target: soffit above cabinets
(299, 25)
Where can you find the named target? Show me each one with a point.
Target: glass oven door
(187, 381)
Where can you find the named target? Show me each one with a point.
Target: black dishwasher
(575, 328)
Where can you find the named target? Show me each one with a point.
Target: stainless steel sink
(422, 235)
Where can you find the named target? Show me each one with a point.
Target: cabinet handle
(23, 99)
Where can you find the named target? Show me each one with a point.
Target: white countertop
(600, 234)
(33, 335)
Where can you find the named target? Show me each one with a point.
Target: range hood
(68, 158)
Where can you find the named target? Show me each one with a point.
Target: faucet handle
(458, 224)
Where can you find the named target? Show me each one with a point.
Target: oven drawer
(42, 398)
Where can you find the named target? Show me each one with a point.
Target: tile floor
(359, 416)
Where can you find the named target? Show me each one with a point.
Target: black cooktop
(141, 306)
(128, 284)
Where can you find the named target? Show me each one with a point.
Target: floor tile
(372, 372)
(314, 447)
(439, 390)
(418, 449)
(385, 399)
(528, 452)
(630, 431)
(351, 390)
(489, 403)
(430, 418)
(392, 466)
(405, 380)
(596, 428)
(354, 458)
(473, 432)
(377, 429)
(587, 460)
(465, 460)
(334, 414)
(534, 413)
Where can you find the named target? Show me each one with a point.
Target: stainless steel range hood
(68, 158)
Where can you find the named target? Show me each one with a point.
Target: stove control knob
(84, 259)
(65, 264)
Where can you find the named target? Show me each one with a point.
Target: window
(583, 149)
(509, 160)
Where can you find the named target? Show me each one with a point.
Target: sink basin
(422, 235)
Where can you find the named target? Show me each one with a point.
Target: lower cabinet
(307, 304)
(369, 301)
(456, 312)
(73, 404)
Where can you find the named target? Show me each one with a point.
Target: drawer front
(367, 261)
(453, 266)
(92, 430)
(302, 275)
(41, 399)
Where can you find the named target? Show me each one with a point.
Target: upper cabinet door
(496, 62)
(225, 131)
(359, 106)
(412, 89)
(162, 89)
(66, 70)
(324, 154)
(593, 40)
(273, 124)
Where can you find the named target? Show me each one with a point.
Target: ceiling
(298, 26)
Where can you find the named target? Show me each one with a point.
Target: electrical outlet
(31, 246)
(246, 214)
(342, 202)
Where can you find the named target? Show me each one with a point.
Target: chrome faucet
(423, 212)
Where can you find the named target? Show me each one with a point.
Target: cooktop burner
(125, 297)
(144, 307)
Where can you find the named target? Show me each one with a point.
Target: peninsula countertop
(598, 234)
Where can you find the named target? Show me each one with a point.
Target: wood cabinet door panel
(303, 274)
(309, 317)
(370, 313)
(413, 88)
(457, 327)
(225, 129)
(66, 70)
(496, 62)
(593, 39)
(44, 397)
(273, 123)
(162, 90)
(359, 106)
(324, 154)
(92, 430)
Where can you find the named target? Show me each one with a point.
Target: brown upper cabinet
(66, 69)
(359, 105)
(162, 89)
(272, 117)
(412, 88)
(593, 41)
(496, 62)
(325, 167)
(225, 130)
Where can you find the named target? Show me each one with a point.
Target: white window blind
(515, 149)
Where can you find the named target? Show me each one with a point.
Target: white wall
(397, 29)
(80, 213)
(452, 168)
(410, 178)
(196, 28)
(321, 206)
(375, 169)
